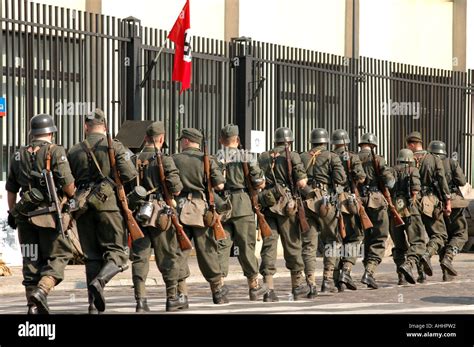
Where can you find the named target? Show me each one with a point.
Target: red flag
(180, 34)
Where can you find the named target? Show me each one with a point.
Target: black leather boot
(406, 269)
(328, 286)
(270, 296)
(142, 306)
(300, 292)
(346, 280)
(219, 293)
(447, 265)
(39, 299)
(96, 287)
(401, 279)
(369, 280)
(425, 262)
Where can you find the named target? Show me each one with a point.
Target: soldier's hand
(447, 210)
(11, 221)
(302, 183)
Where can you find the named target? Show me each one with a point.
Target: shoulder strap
(87, 148)
(314, 156)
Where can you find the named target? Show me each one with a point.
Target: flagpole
(152, 65)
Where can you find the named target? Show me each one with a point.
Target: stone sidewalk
(75, 274)
(75, 278)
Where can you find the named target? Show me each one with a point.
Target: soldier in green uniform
(376, 208)
(436, 197)
(281, 217)
(159, 238)
(101, 228)
(408, 240)
(240, 227)
(456, 223)
(354, 232)
(193, 205)
(45, 251)
(325, 172)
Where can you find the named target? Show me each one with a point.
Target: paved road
(433, 297)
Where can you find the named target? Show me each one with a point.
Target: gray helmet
(283, 135)
(319, 135)
(437, 147)
(340, 137)
(42, 124)
(405, 156)
(368, 139)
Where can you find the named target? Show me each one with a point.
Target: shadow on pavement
(460, 300)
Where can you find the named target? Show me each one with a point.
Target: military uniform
(192, 204)
(434, 192)
(163, 242)
(240, 226)
(325, 172)
(282, 222)
(376, 208)
(408, 240)
(45, 251)
(456, 223)
(102, 231)
(354, 232)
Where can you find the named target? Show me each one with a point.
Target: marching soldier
(101, 228)
(193, 205)
(325, 172)
(456, 223)
(281, 216)
(435, 197)
(240, 227)
(43, 267)
(408, 240)
(160, 236)
(375, 237)
(351, 242)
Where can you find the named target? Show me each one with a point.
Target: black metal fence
(64, 62)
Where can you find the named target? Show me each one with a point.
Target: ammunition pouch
(193, 208)
(100, 193)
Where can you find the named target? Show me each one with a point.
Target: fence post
(242, 62)
(133, 92)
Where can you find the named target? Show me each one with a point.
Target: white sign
(258, 141)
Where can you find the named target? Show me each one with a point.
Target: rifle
(304, 226)
(132, 225)
(340, 218)
(219, 232)
(263, 227)
(53, 194)
(184, 242)
(364, 218)
(397, 219)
